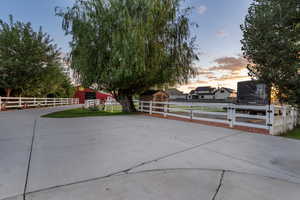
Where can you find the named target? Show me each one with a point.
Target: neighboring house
(175, 94)
(154, 95)
(210, 93)
(206, 92)
(192, 95)
(224, 93)
(86, 93)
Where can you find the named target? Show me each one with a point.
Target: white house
(175, 94)
(207, 93)
(224, 93)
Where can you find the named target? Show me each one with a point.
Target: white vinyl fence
(31, 102)
(111, 105)
(92, 103)
(274, 119)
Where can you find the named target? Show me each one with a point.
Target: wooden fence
(31, 102)
(274, 119)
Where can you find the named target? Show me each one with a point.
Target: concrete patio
(138, 157)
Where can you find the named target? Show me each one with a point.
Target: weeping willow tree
(129, 46)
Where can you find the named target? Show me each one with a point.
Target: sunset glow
(218, 38)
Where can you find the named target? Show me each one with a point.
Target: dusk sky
(218, 35)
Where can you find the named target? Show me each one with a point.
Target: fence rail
(30, 102)
(107, 105)
(274, 119)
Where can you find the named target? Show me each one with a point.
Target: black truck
(253, 93)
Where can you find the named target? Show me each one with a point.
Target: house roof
(207, 93)
(174, 91)
(205, 88)
(227, 89)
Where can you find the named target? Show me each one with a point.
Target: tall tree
(54, 83)
(129, 46)
(25, 57)
(271, 42)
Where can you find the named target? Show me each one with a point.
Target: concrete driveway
(137, 157)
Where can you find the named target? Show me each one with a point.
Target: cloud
(204, 72)
(201, 82)
(229, 64)
(202, 9)
(221, 33)
(225, 71)
(228, 77)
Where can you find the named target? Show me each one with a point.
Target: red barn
(86, 93)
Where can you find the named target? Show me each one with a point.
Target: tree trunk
(8, 91)
(126, 103)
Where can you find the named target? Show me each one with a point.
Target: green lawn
(79, 112)
(294, 134)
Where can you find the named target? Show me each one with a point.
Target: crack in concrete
(179, 152)
(221, 180)
(219, 185)
(29, 159)
(126, 171)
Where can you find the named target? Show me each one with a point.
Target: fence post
(270, 119)
(142, 106)
(150, 108)
(0, 103)
(295, 113)
(293, 116)
(229, 115)
(105, 106)
(284, 118)
(34, 101)
(54, 102)
(233, 115)
(46, 102)
(20, 102)
(191, 111)
(165, 110)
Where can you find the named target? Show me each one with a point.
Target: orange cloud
(204, 72)
(226, 72)
(231, 77)
(230, 64)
